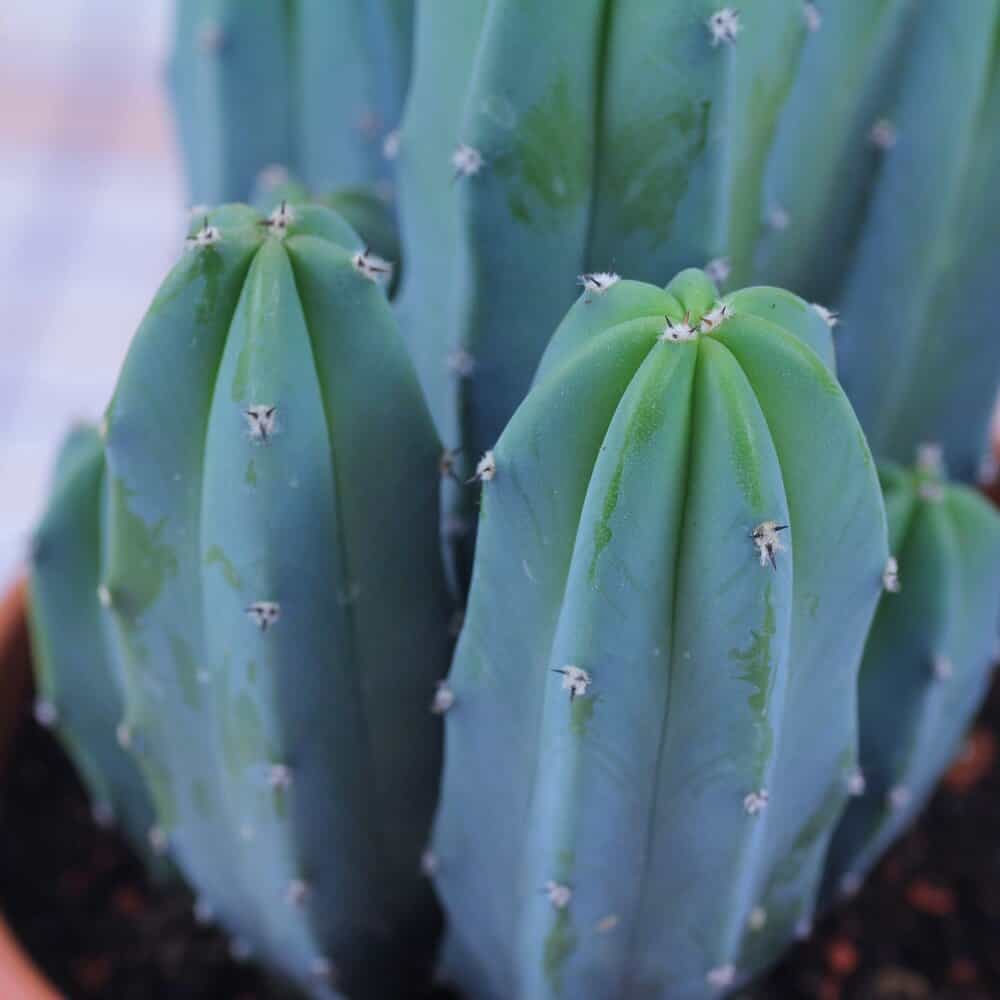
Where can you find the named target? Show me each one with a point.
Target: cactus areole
(653, 728)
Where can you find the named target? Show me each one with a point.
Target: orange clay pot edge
(19, 979)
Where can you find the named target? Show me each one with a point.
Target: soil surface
(926, 924)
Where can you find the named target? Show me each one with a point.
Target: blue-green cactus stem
(681, 545)
(315, 86)
(275, 583)
(927, 661)
(78, 679)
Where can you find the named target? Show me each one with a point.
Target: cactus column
(273, 589)
(651, 723)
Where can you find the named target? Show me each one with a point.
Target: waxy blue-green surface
(75, 666)
(927, 662)
(311, 85)
(334, 517)
(615, 536)
(614, 137)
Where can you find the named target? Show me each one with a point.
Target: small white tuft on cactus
(931, 491)
(103, 815)
(757, 918)
(207, 236)
(828, 316)
(679, 331)
(813, 18)
(607, 924)
(428, 863)
(123, 733)
(559, 895)
(803, 928)
(157, 839)
(778, 218)
(486, 468)
(297, 892)
(943, 668)
(718, 269)
(279, 777)
(724, 26)
(261, 419)
(211, 37)
(597, 282)
(856, 783)
(466, 161)
(443, 698)
(765, 538)
(930, 458)
(372, 267)
(574, 679)
(272, 176)
(322, 969)
(883, 134)
(721, 977)
(46, 713)
(240, 950)
(715, 317)
(390, 144)
(461, 362)
(204, 912)
(280, 219)
(756, 802)
(104, 596)
(899, 797)
(890, 576)
(263, 614)
(850, 884)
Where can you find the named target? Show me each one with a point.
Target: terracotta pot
(19, 979)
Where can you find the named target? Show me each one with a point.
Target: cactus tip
(679, 331)
(390, 144)
(280, 219)
(261, 420)
(715, 317)
(123, 733)
(724, 26)
(597, 282)
(279, 777)
(558, 894)
(207, 236)
(718, 270)
(778, 219)
(828, 316)
(104, 595)
(943, 668)
(443, 698)
(755, 803)
(428, 863)
(899, 797)
(574, 679)
(486, 468)
(461, 362)
(157, 838)
(371, 266)
(883, 135)
(768, 544)
(856, 783)
(45, 712)
(263, 614)
(812, 16)
(466, 161)
(297, 891)
(890, 576)
(757, 918)
(722, 976)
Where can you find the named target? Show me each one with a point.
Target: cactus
(316, 86)
(888, 157)
(79, 686)
(601, 139)
(365, 212)
(927, 661)
(272, 481)
(681, 545)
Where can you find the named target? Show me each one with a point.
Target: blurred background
(92, 205)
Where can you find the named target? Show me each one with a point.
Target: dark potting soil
(926, 924)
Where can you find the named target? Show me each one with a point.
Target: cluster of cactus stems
(712, 659)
